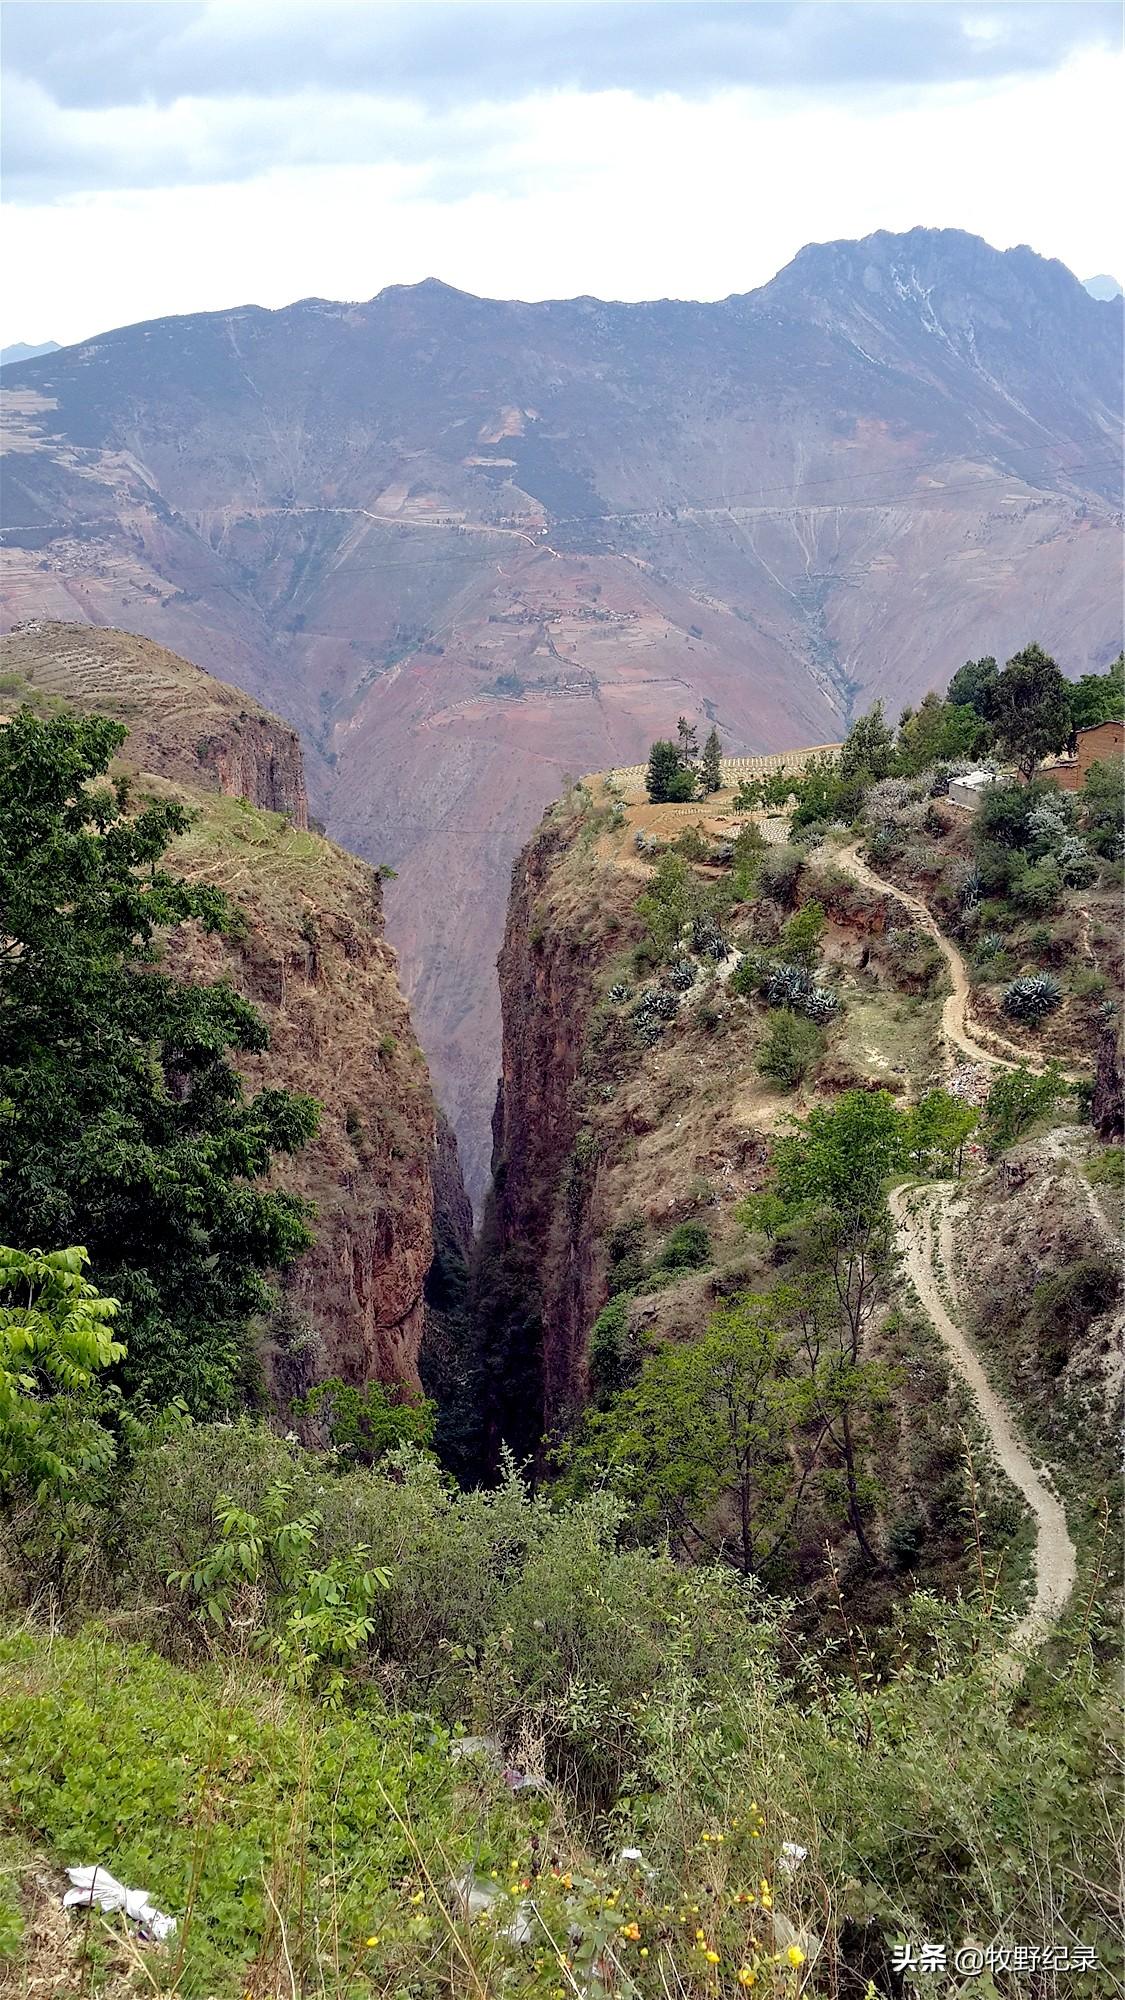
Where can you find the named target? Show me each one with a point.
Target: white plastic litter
(97, 1886)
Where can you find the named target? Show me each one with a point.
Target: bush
(1064, 1306)
(790, 1047)
(779, 871)
(614, 1356)
(688, 1248)
(1032, 997)
(1036, 889)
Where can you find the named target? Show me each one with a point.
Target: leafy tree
(711, 773)
(936, 1131)
(869, 749)
(1099, 697)
(938, 732)
(789, 1048)
(773, 792)
(688, 1248)
(710, 1419)
(801, 936)
(667, 781)
(1103, 805)
(56, 1340)
(974, 686)
(1017, 1098)
(834, 1165)
(749, 846)
(364, 1424)
(669, 903)
(126, 1127)
(1031, 709)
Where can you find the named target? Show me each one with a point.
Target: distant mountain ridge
(1103, 286)
(21, 351)
(470, 545)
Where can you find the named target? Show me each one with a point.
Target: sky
(170, 156)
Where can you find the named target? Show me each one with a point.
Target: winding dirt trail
(924, 1222)
(915, 1211)
(955, 1008)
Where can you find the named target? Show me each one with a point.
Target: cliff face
(182, 722)
(312, 957)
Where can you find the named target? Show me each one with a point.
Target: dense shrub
(688, 1248)
(1064, 1305)
(779, 871)
(789, 1049)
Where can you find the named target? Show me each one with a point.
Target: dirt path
(915, 1211)
(955, 1010)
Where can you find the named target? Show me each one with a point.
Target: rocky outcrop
(312, 957)
(1107, 1108)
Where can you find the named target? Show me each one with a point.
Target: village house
(1094, 744)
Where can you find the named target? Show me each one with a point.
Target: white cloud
(617, 194)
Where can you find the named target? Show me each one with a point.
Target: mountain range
(470, 546)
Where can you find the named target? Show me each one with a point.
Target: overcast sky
(162, 157)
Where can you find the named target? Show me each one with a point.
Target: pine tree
(688, 737)
(711, 773)
(666, 778)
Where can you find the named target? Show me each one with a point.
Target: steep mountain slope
(312, 959)
(471, 546)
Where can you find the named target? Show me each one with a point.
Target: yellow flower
(371, 1943)
(644, 1951)
(632, 1931)
(419, 1896)
(700, 1937)
(795, 1955)
(712, 1957)
(747, 1977)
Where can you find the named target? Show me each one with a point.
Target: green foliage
(841, 1159)
(1065, 1305)
(801, 937)
(789, 1048)
(710, 770)
(614, 1351)
(1030, 708)
(1016, 1099)
(127, 1128)
(323, 1613)
(1099, 697)
(55, 1341)
(688, 1248)
(869, 749)
(1103, 806)
(1107, 1168)
(779, 872)
(668, 780)
(709, 1418)
(936, 1131)
(974, 686)
(937, 732)
(749, 848)
(1036, 889)
(364, 1424)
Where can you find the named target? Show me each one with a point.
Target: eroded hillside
(312, 957)
(634, 1118)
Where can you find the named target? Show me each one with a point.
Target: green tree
(834, 1166)
(667, 781)
(1017, 1098)
(710, 1419)
(365, 1424)
(869, 748)
(938, 732)
(687, 737)
(1103, 805)
(1099, 697)
(711, 769)
(936, 1131)
(789, 1048)
(1031, 709)
(801, 936)
(127, 1128)
(974, 686)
